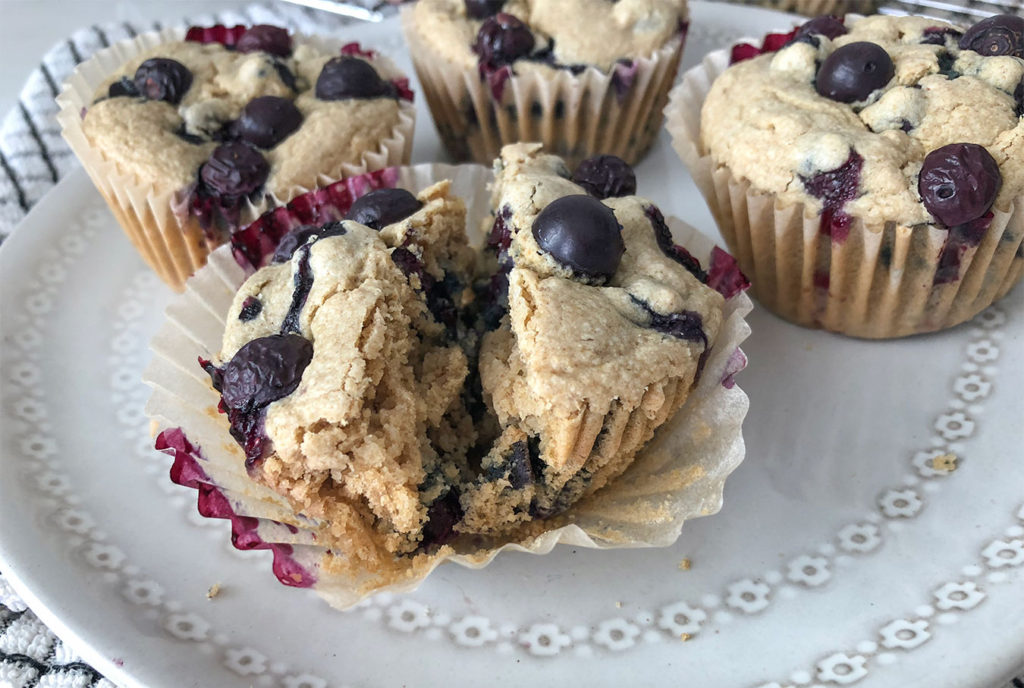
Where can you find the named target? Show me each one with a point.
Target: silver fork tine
(342, 8)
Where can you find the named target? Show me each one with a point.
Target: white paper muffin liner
(880, 282)
(816, 8)
(574, 116)
(678, 476)
(156, 219)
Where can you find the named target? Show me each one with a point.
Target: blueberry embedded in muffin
(958, 184)
(383, 207)
(1002, 34)
(581, 234)
(854, 71)
(605, 176)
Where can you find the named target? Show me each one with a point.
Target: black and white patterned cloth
(34, 157)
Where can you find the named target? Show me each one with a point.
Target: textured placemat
(34, 157)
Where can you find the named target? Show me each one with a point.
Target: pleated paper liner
(573, 115)
(816, 8)
(157, 220)
(679, 475)
(881, 281)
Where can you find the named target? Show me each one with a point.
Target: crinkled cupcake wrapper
(678, 476)
(879, 282)
(157, 220)
(574, 116)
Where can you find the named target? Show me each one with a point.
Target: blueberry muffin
(581, 76)
(867, 174)
(412, 411)
(190, 139)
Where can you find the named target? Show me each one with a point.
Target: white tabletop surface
(29, 27)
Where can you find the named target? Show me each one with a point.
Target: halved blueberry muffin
(607, 326)
(342, 374)
(190, 139)
(412, 402)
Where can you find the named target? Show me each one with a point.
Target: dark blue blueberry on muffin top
(958, 183)
(605, 176)
(1002, 34)
(234, 170)
(383, 207)
(161, 78)
(267, 120)
(582, 234)
(347, 77)
(503, 39)
(854, 71)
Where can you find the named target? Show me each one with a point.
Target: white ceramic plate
(840, 557)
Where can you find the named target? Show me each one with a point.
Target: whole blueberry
(161, 78)
(350, 77)
(854, 71)
(481, 9)
(606, 176)
(503, 39)
(1002, 34)
(267, 120)
(265, 38)
(829, 26)
(581, 233)
(383, 207)
(234, 169)
(959, 182)
(265, 370)
(300, 236)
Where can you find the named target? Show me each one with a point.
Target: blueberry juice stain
(835, 189)
(303, 285)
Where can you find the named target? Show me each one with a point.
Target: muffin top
(901, 119)
(231, 115)
(547, 34)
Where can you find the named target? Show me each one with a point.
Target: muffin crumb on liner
(679, 475)
(172, 241)
(880, 282)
